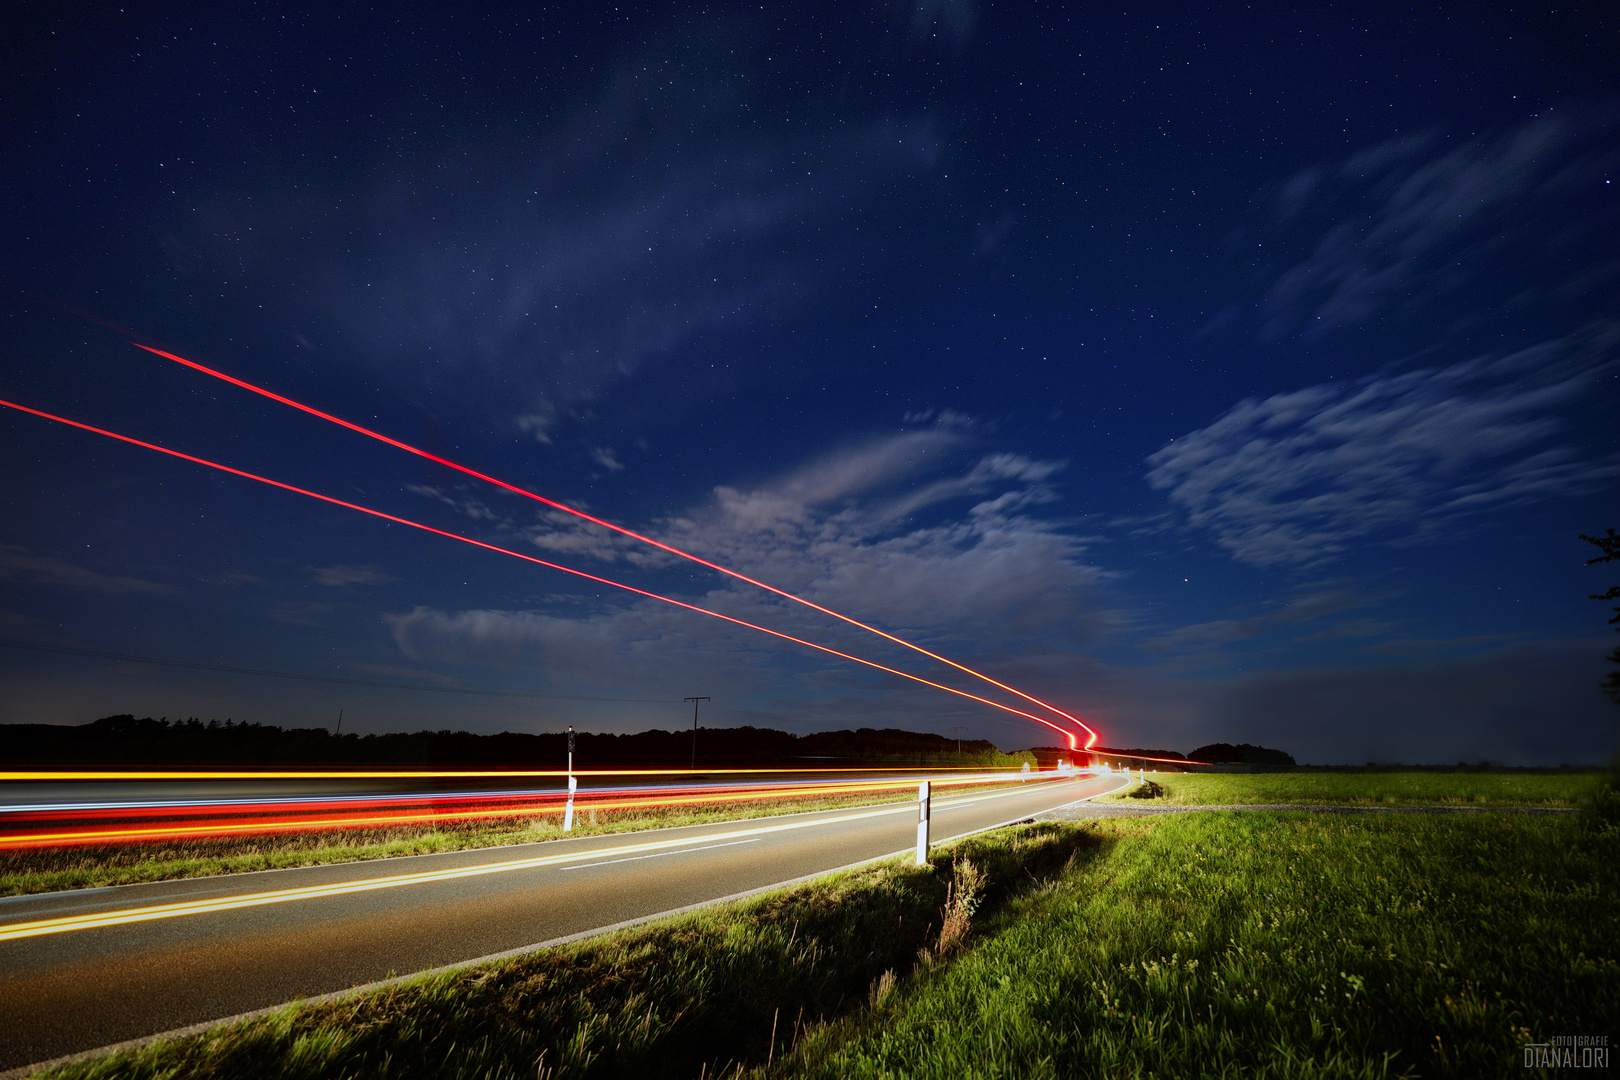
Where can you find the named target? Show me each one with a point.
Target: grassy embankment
(53, 869)
(1210, 944)
(1370, 788)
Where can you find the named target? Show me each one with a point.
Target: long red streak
(616, 528)
(242, 825)
(536, 561)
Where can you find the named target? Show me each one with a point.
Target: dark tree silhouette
(1242, 754)
(1609, 544)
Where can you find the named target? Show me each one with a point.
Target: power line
(323, 678)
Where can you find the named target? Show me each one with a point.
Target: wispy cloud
(457, 499)
(1301, 476)
(1426, 219)
(1302, 609)
(917, 532)
(545, 259)
(25, 567)
(340, 576)
(604, 456)
(302, 612)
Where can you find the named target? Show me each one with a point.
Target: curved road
(85, 969)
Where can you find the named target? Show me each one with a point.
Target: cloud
(301, 612)
(919, 533)
(1302, 476)
(25, 567)
(340, 576)
(547, 263)
(1429, 221)
(456, 500)
(1352, 628)
(1208, 635)
(604, 457)
(559, 533)
(505, 638)
(913, 530)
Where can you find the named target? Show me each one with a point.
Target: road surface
(85, 969)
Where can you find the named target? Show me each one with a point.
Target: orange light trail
(45, 775)
(238, 825)
(95, 920)
(539, 562)
(195, 366)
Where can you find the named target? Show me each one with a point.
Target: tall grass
(1270, 945)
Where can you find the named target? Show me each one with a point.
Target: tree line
(126, 740)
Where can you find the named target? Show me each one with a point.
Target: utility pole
(958, 728)
(340, 724)
(694, 701)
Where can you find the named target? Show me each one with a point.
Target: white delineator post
(922, 823)
(573, 784)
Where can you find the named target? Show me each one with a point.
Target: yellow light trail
(71, 923)
(132, 833)
(430, 774)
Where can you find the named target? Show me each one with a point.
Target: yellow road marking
(41, 927)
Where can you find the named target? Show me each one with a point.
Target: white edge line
(466, 851)
(1128, 782)
(660, 854)
(127, 916)
(522, 950)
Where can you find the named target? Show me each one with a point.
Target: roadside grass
(1213, 944)
(56, 869)
(1373, 788)
(699, 995)
(1269, 945)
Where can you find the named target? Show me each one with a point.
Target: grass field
(50, 870)
(1390, 788)
(1272, 945)
(1210, 944)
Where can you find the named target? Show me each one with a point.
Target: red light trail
(157, 821)
(194, 365)
(540, 562)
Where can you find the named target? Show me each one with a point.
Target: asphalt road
(241, 942)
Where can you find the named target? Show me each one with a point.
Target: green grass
(1270, 945)
(690, 996)
(1390, 789)
(54, 869)
(1260, 944)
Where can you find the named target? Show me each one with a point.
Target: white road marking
(659, 855)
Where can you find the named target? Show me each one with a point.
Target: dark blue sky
(1239, 374)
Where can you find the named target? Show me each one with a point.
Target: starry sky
(1217, 372)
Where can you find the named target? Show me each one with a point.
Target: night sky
(1223, 373)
